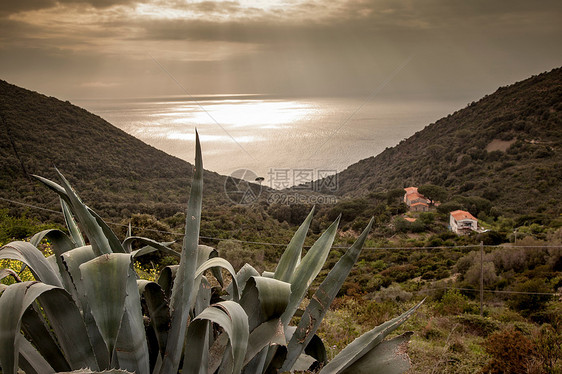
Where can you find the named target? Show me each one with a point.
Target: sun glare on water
(225, 120)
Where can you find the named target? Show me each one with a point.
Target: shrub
(533, 296)
(452, 302)
(393, 293)
(237, 255)
(510, 351)
(548, 345)
(478, 325)
(488, 269)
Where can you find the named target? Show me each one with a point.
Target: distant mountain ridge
(114, 172)
(507, 148)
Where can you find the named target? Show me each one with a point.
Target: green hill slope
(115, 173)
(506, 148)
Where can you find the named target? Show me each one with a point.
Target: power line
(31, 206)
(341, 247)
(285, 244)
(490, 291)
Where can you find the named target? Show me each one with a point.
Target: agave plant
(88, 311)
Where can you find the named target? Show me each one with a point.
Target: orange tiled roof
(410, 219)
(415, 195)
(461, 214)
(416, 204)
(410, 190)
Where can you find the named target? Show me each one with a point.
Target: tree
(395, 195)
(433, 193)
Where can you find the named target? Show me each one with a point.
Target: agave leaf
(365, 343)
(89, 371)
(111, 288)
(182, 292)
(205, 253)
(308, 269)
(9, 272)
(38, 331)
(75, 233)
(322, 299)
(30, 360)
(132, 349)
(158, 310)
(232, 318)
(292, 255)
(104, 280)
(222, 263)
(56, 302)
(60, 243)
(301, 279)
(203, 298)
(93, 231)
(151, 246)
(219, 353)
(55, 187)
(12, 307)
(67, 323)
(269, 332)
(166, 279)
(242, 277)
(264, 299)
(314, 351)
(32, 257)
(389, 357)
(72, 261)
(90, 225)
(114, 243)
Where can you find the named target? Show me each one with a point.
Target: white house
(461, 222)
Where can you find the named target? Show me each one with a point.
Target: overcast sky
(414, 48)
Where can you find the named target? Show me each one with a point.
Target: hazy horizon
(268, 135)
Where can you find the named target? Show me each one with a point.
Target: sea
(279, 139)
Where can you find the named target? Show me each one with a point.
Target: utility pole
(481, 278)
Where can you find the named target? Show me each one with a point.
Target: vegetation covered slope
(506, 148)
(114, 171)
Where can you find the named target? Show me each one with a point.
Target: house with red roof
(462, 222)
(415, 200)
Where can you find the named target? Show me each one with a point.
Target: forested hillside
(114, 172)
(506, 148)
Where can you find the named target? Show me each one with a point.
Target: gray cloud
(460, 48)
(16, 6)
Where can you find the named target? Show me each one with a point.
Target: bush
(548, 345)
(237, 255)
(452, 302)
(18, 228)
(488, 269)
(477, 324)
(393, 293)
(510, 351)
(534, 301)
